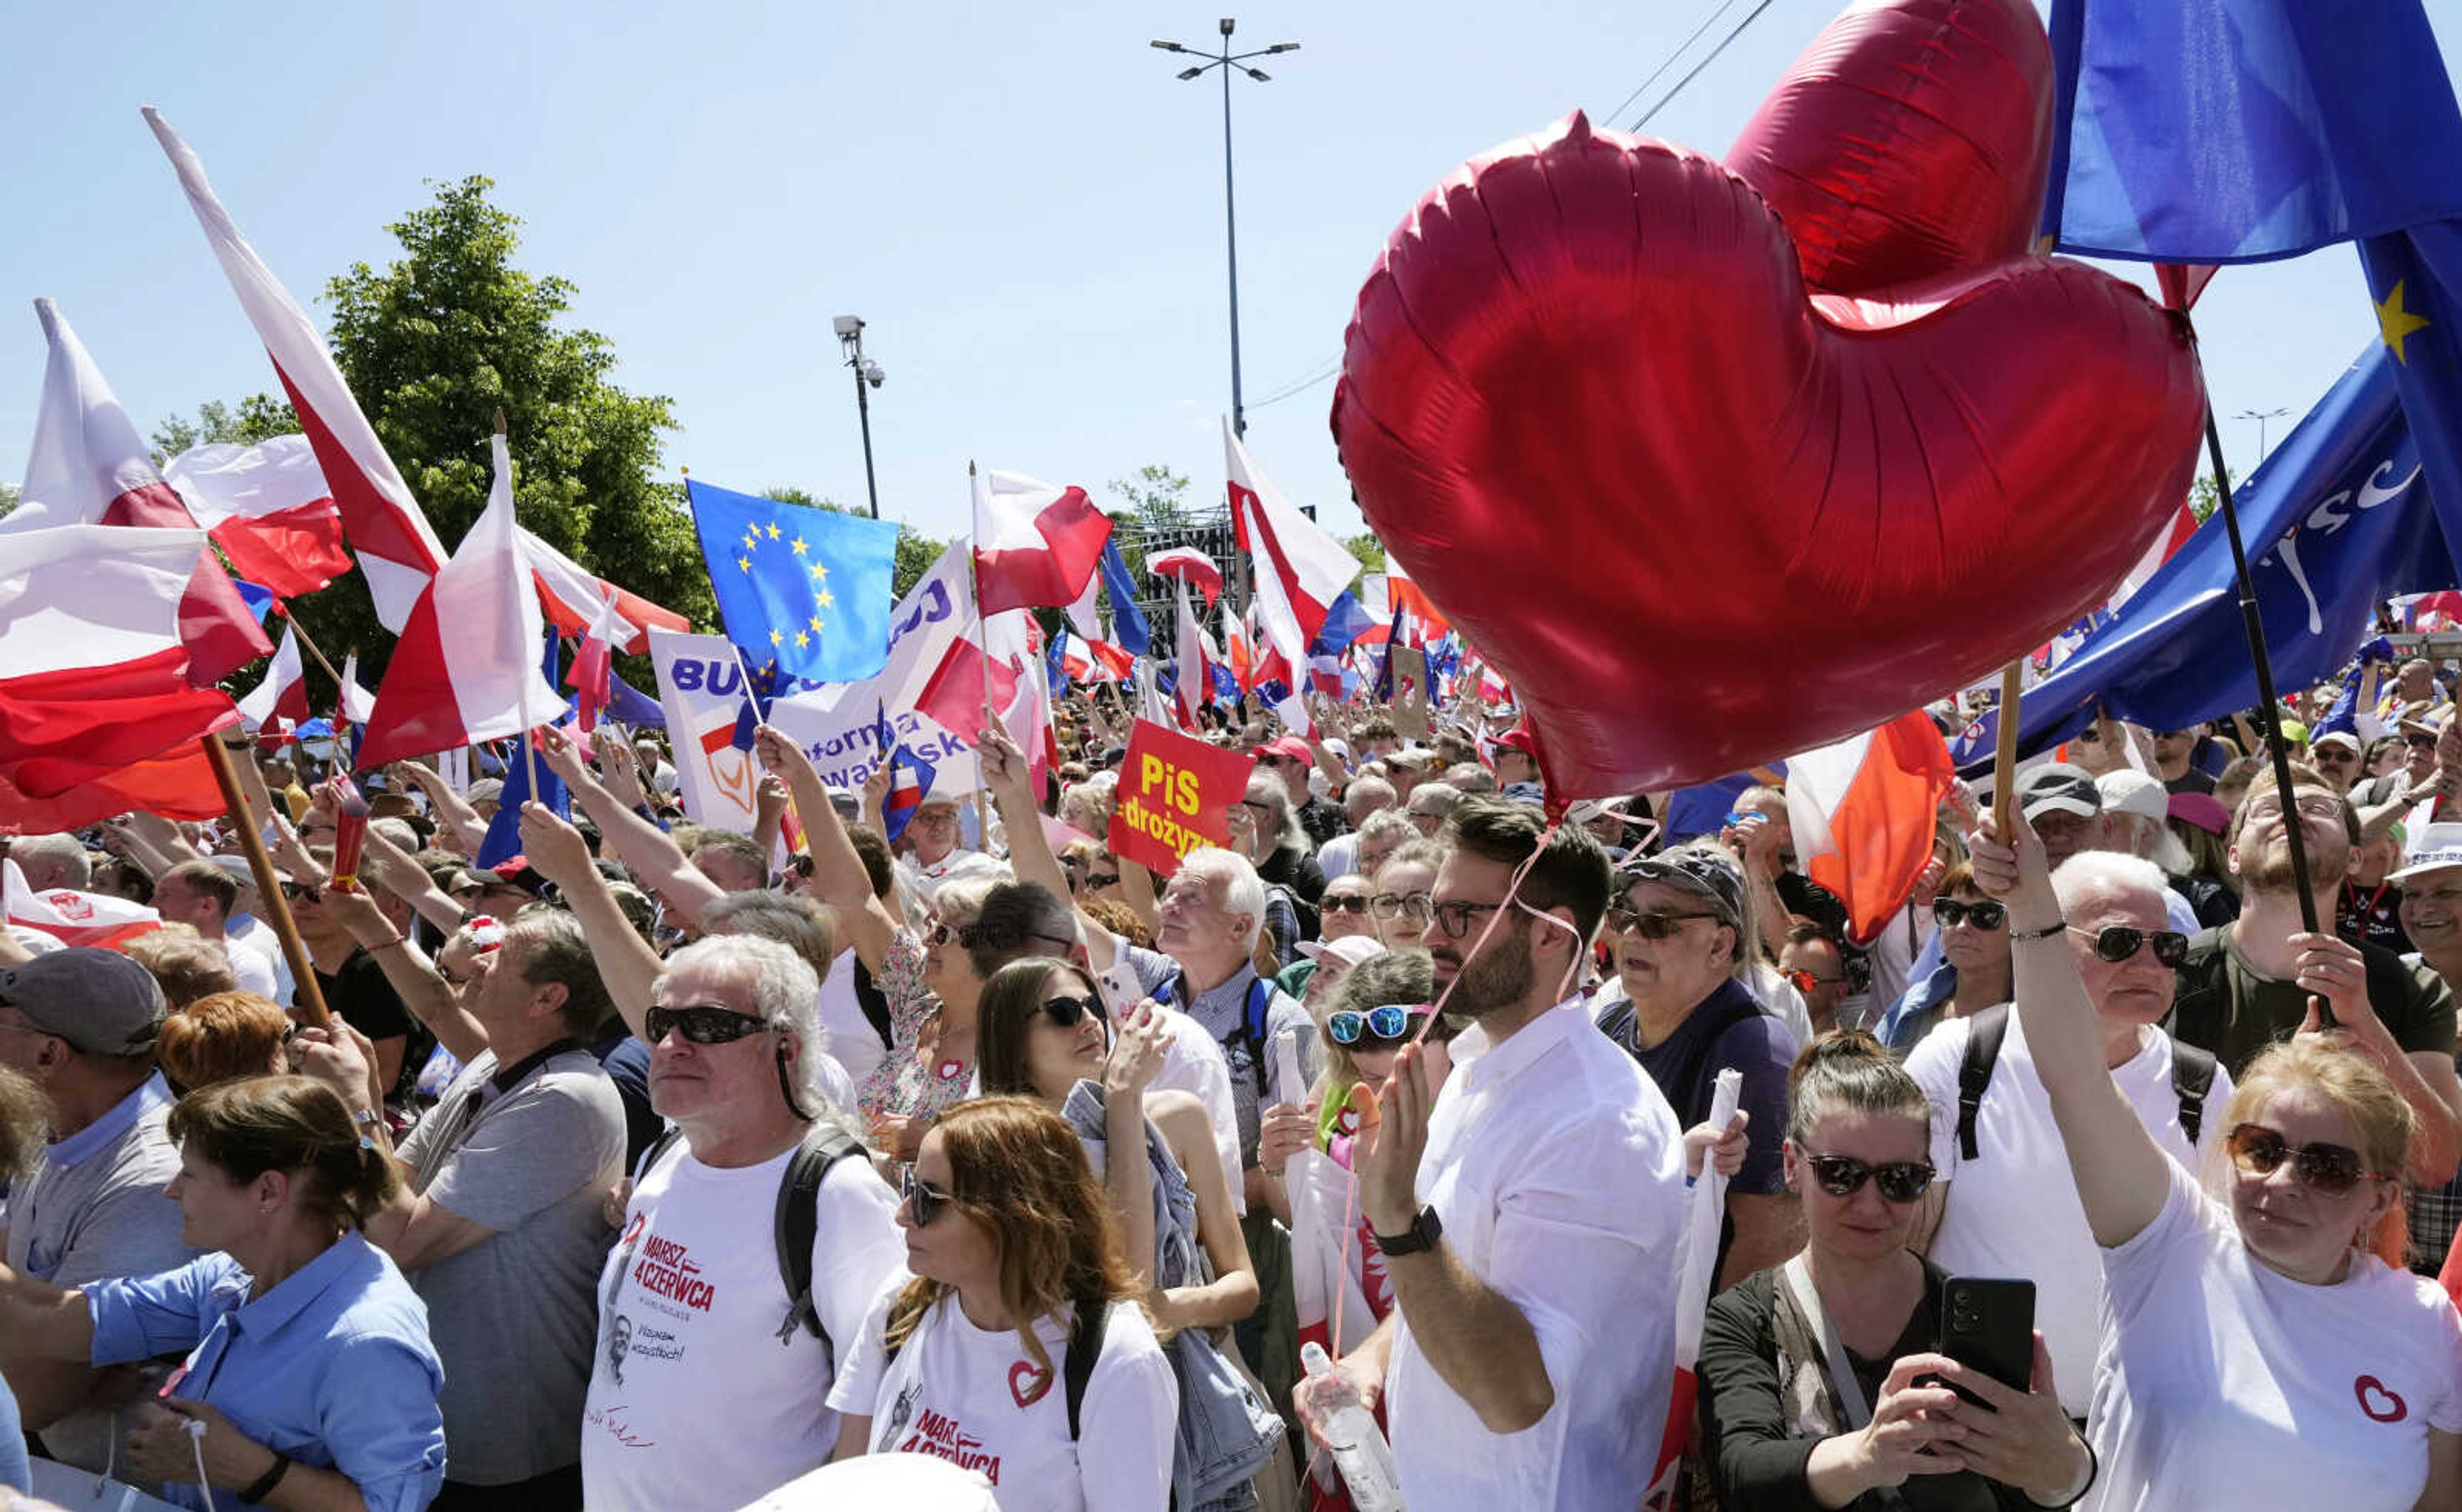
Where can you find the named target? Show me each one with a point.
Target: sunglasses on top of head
(1845, 1176)
(2119, 942)
(1384, 1026)
(2329, 1169)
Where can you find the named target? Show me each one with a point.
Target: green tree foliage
(1369, 551)
(258, 418)
(7, 498)
(2204, 498)
(916, 551)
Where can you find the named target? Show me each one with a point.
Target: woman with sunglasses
(1045, 1037)
(2253, 1352)
(930, 1061)
(1974, 973)
(1820, 1386)
(1342, 913)
(1017, 1264)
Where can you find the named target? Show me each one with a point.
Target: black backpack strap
(799, 1223)
(1984, 1036)
(667, 1137)
(874, 1004)
(1077, 1361)
(2193, 1076)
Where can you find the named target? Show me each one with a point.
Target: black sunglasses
(1389, 1024)
(926, 1200)
(2119, 942)
(1652, 926)
(1950, 912)
(299, 894)
(1845, 1176)
(1347, 903)
(701, 1024)
(1070, 1012)
(2331, 1169)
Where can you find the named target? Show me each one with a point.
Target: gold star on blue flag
(765, 557)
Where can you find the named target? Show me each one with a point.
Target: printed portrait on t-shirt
(619, 1338)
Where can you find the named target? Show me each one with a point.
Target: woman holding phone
(1820, 1383)
(2254, 1352)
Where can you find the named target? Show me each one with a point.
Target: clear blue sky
(1021, 200)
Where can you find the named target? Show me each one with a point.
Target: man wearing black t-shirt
(355, 990)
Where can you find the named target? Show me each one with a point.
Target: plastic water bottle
(1360, 1451)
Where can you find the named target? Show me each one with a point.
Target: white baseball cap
(2439, 847)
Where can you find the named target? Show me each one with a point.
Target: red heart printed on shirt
(1027, 1383)
(2378, 1401)
(1718, 464)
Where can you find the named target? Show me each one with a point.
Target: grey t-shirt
(94, 1209)
(514, 1317)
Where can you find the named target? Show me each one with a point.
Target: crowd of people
(965, 1162)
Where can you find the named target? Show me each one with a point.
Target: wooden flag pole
(2005, 756)
(310, 999)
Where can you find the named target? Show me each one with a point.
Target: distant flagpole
(983, 644)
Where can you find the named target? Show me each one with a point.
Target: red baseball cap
(1288, 746)
(1520, 738)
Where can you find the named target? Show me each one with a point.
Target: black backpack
(1076, 1363)
(2193, 1076)
(798, 1217)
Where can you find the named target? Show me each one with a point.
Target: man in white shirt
(708, 1386)
(2011, 1207)
(203, 896)
(1529, 1211)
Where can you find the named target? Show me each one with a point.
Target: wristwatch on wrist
(1421, 1236)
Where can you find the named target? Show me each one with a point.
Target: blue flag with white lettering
(2336, 519)
(2233, 131)
(803, 591)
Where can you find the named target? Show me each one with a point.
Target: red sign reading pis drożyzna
(1174, 796)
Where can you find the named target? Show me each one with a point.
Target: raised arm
(626, 964)
(449, 808)
(2121, 1176)
(838, 874)
(649, 851)
(396, 871)
(408, 970)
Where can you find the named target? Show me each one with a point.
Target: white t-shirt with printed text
(2014, 1211)
(695, 1400)
(2226, 1384)
(974, 1398)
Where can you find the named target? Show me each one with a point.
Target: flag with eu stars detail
(804, 592)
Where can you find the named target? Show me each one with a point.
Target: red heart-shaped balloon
(1703, 515)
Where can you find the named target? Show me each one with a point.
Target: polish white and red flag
(398, 548)
(87, 466)
(278, 706)
(1300, 570)
(268, 508)
(359, 704)
(570, 595)
(1186, 564)
(481, 681)
(94, 677)
(592, 666)
(71, 917)
(1036, 545)
(1864, 812)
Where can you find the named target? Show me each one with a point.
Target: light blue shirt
(332, 1367)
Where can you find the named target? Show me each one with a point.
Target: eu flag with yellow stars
(803, 591)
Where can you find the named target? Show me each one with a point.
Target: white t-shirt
(974, 1398)
(255, 934)
(2228, 1385)
(853, 1039)
(254, 972)
(695, 1402)
(2015, 1211)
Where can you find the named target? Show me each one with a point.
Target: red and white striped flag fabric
(1195, 686)
(1863, 812)
(482, 680)
(1187, 563)
(71, 917)
(268, 509)
(359, 704)
(398, 548)
(592, 665)
(1036, 546)
(279, 704)
(94, 675)
(570, 595)
(1300, 571)
(87, 466)
(1705, 1207)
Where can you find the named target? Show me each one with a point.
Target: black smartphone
(1989, 1326)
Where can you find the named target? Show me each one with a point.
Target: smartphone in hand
(1989, 1326)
